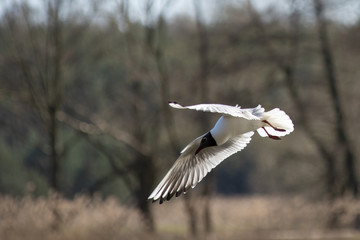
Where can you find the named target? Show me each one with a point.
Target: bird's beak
(199, 149)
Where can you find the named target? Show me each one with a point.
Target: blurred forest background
(87, 133)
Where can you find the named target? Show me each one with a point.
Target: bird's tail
(276, 123)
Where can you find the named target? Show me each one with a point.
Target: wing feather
(235, 111)
(189, 169)
(189, 180)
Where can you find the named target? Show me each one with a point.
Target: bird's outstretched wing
(189, 169)
(235, 111)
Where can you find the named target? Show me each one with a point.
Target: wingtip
(175, 105)
(153, 200)
(161, 200)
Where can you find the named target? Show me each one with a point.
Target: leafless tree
(141, 167)
(287, 65)
(343, 142)
(203, 88)
(40, 62)
(155, 42)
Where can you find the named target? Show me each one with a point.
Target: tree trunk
(55, 94)
(54, 156)
(203, 88)
(192, 214)
(287, 66)
(329, 161)
(351, 182)
(145, 175)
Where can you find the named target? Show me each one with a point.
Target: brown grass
(255, 217)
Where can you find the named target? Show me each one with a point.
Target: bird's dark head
(206, 141)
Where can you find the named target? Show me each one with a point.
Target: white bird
(231, 133)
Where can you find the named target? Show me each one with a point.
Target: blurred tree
(39, 58)
(287, 63)
(343, 142)
(202, 79)
(84, 92)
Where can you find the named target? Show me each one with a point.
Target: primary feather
(189, 169)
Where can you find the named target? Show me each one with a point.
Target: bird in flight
(231, 133)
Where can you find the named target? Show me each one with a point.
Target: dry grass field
(253, 217)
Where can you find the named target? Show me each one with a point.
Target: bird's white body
(231, 133)
(227, 127)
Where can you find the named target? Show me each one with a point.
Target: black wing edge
(169, 196)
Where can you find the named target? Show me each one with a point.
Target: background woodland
(84, 115)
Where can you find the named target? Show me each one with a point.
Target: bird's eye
(204, 140)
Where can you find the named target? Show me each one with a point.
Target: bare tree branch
(351, 183)
(101, 127)
(287, 66)
(158, 54)
(89, 129)
(116, 171)
(36, 83)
